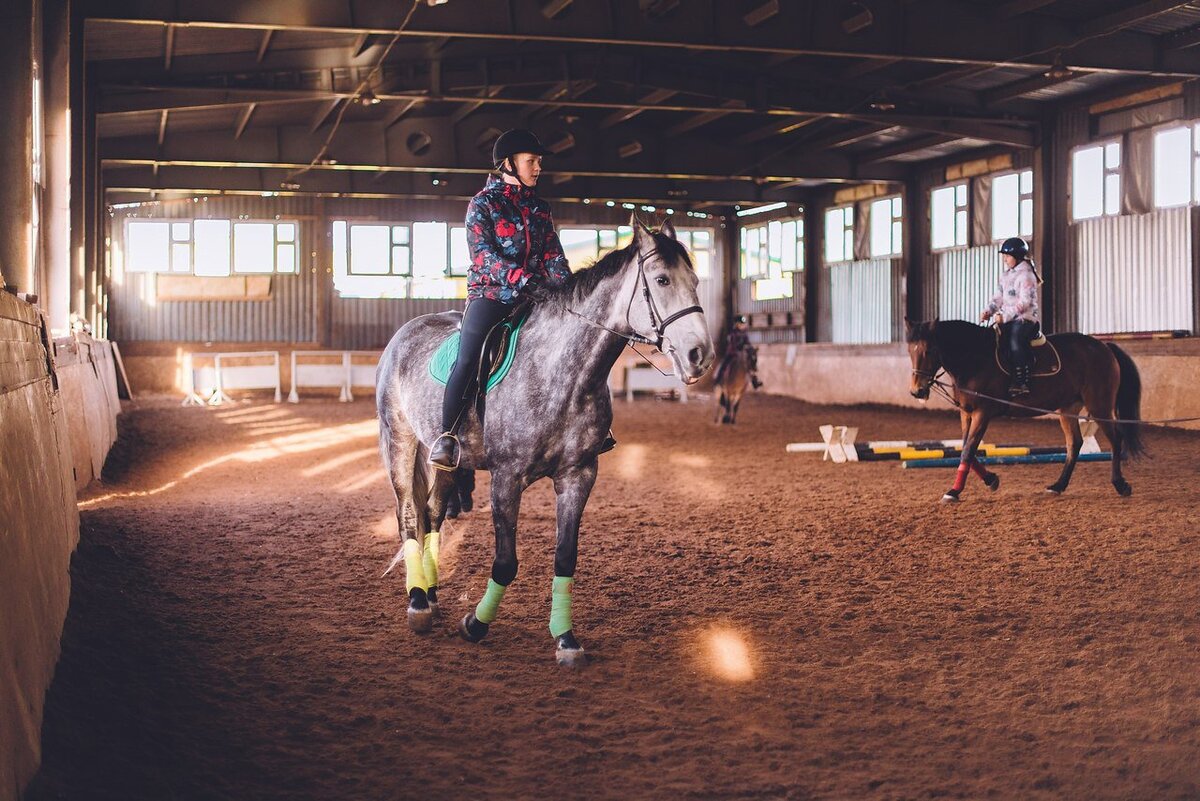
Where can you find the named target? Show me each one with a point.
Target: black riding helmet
(518, 140)
(1016, 247)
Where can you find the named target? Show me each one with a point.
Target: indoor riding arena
(620, 399)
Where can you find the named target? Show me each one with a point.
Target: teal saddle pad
(447, 354)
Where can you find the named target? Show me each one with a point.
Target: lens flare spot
(728, 655)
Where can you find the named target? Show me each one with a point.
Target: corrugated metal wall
(1135, 272)
(966, 280)
(861, 301)
(135, 314)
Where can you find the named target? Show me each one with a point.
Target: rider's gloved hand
(535, 292)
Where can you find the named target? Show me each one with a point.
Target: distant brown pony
(732, 382)
(1099, 376)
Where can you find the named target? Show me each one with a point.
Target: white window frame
(1106, 185)
(396, 241)
(895, 218)
(1023, 196)
(847, 234)
(960, 221)
(1193, 131)
(775, 280)
(177, 243)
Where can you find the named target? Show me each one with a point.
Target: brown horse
(732, 381)
(1089, 373)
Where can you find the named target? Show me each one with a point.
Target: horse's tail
(1129, 403)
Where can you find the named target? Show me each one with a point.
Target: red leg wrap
(960, 478)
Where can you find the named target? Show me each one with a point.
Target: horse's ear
(668, 230)
(641, 234)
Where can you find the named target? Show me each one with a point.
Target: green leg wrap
(415, 570)
(486, 611)
(560, 606)
(430, 557)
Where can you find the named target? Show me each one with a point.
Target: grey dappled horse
(546, 419)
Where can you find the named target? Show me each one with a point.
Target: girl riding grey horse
(546, 419)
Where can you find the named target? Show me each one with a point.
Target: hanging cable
(363, 86)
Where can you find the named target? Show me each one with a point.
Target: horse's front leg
(573, 488)
(506, 504)
(976, 428)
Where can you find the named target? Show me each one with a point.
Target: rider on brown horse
(739, 340)
(1015, 309)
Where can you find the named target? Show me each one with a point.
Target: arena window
(399, 260)
(770, 255)
(584, 246)
(839, 234)
(1174, 166)
(887, 227)
(212, 248)
(948, 217)
(1012, 205)
(1096, 181)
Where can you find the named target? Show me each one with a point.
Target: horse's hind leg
(506, 505)
(401, 451)
(1070, 427)
(440, 493)
(1113, 434)
(1104, 404)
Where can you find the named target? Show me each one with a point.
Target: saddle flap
(1046, 361)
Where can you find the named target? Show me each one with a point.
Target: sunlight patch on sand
(630, 461)
(690, 460)
(340, 461)
(262, 451)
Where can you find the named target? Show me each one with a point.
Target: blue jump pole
(1038, 458)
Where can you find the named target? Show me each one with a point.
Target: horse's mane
(585, 281)
(961, 343)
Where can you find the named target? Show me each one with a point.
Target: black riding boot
(444, 455)
(609, 443)
(1020, 382)
(754, 382)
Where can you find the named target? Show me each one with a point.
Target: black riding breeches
(480, 317)
(1019, 334)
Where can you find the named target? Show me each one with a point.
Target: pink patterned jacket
(1018, 295)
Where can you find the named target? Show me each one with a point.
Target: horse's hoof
(1053, 490)
(471, 629)
(420, 620)
(950, 497)
(569, 653)
(420, 615)
(1124, 489)
(434, 606)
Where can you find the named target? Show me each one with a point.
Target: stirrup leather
(457, 452)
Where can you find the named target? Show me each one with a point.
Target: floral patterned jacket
(513, 244)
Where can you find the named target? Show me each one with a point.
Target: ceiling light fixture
(1058, 71)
